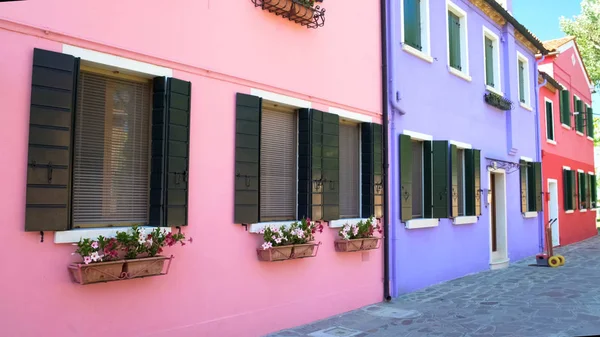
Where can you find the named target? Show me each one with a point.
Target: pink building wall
(216, 286)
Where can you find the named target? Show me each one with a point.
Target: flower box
(355, 245)
(290, 252)
(148, 266)
(119, 270)
(302, 12)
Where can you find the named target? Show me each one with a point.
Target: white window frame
(548, 140)
(497, 88)
(526, 82)
(424, 54)
(464, 41)
(463, 219)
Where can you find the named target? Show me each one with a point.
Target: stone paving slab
(519, 301)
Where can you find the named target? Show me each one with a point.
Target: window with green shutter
(579, 107)
(549, 121)
(531, 186)
(593, 191)
(489, 62)
(412, 23)
(521, 81)
(565, 107)
(569, 189)
(589, 121)
(583, 200)
(454, 42)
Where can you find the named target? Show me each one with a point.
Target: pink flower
(267, 245)
(87, 259)
(95, 244)
(278, 240)
(190, 240)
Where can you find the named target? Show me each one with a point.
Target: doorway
(553, 210)
(498, 223)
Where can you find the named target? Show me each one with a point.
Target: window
(457, 39)
(460, 165)
(417, 179)
(579, 108)
(569, 193)
(593, 192)
(531, 186)
(523, 75)
(589, 121)
(565, 107)
(349, 171)
(278, 164)
(584, 190)
(415, 32)
(491, 59)
(111, 160)
(549, 121)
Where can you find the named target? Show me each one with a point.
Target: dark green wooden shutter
(565, 107)
(588, 190)
(537, 176)
(593, 191)
(331, 165)
(566, 189)
(549, 121)
(372, 170)
(405, 177)
(454, 40)
(49, 162)
(441, 169)
(427, 179)
(523, 178)
(454, 204)
(170, 152)
(573, 190)
(521, 82)
(581, 190)
(469, 179)
(412, 23)
(310, 192)
(247, 159)
(531, 197)
(489, 62)
(477, 179)
(590, 122)
(579, 117)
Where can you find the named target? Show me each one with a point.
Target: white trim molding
(569, 211)
(550, 141)
(567, 168)
(464, 220)
(257, 227)
(114, 61)
(417, 135)
(580, 171)
(526, 81)
(546, 101)
(497, 88)
(590, 138)
(341, 222)
(354, 116)
(464, 41)
(583, 210)
(460, 145)
(592, 173)
(74, 235)
(460, 74)
(425, 54)
(417, 53)
(421, 223)
(579, 133)
(283, 99)
(527, 159)
(530, 214)
(565, 126)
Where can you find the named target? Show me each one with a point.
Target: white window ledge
(417, 53)
(590, 138)
(565, 126)
(569, 211)
(583, 210)
(525, 106)
(550, 141)
(341, 222)
(257, 227)
(579, 133)
(464, 220)
(460, 74)
(422, 223)
(494, 90)
(74, 235)
(530, 214)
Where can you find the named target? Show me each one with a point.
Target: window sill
(530, 214)
(525, 106)
(569, 211)
(583, 210)
(590, 138)
(421, 223)
(257, 227)
(566, 126)
(465, 220)
(341, 222)
(494, 90)
(74, 235)
(460, 74)
(579, 133)
(550, 141)
(414, 51)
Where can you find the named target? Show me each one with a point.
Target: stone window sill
(74, 235)
(530, 214)
(464, 220)
(525, 106)
(422, 223)
(414, 51)
(459, 74)
(550, 141)
(566, 126)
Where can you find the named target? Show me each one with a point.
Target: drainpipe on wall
(384, 151)
(394, 93)
(538, 146)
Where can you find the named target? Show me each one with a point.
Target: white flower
(149, 241)
(345, 235)
(267, 245)
(278, 240)
(94, 256)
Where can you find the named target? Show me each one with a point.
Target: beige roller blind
(111, 158)
(349, 171)
(278, 166)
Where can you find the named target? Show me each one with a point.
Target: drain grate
(336, 331)
(391, 312)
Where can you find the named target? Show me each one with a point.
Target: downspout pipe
(393, 93)
(384, 151)
(538, 149)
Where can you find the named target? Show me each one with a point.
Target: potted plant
(359, 236)
(291, 242)
(131, 254)
(302, 9)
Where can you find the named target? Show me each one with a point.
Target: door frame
(555, 182)
(499, 259)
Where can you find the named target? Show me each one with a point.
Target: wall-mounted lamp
(487, 192)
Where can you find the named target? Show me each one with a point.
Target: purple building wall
(425, 97)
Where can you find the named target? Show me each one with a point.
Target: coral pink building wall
(571, 149)
(216, 286)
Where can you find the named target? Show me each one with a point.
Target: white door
(553, 210)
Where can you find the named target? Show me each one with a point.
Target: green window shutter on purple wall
(412, 23)
(454, 40)
(521, 81)
(489, 62)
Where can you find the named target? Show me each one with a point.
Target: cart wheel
(554, 261)
(561, 259)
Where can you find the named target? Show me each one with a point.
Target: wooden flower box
(290, 252)
(357, 244)
(119, 270)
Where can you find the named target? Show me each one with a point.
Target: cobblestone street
(522, 300)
